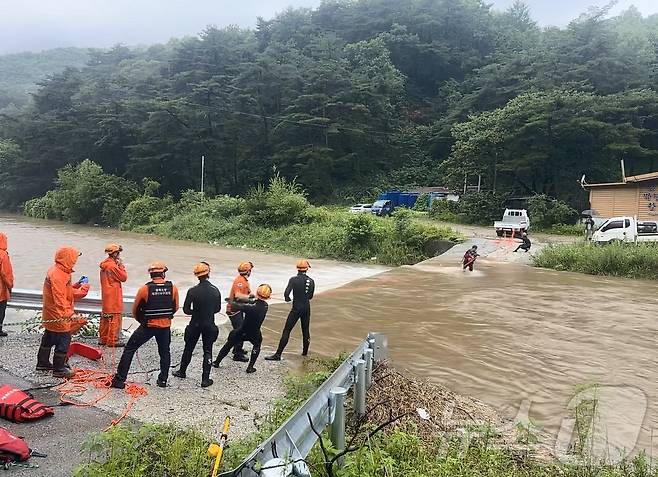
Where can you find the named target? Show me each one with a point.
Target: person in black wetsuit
(302, 287)
(202, 302)
(249, 330)
(525, 246)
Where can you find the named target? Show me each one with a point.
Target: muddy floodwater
(524, 340)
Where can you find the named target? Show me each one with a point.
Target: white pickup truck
(626, 229)
(514, 221)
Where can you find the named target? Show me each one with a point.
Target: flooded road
(507, 334)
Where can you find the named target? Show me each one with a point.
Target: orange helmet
(264, 291)
(201, 269)
(113, 247)
(303, 265)
(245, 267)
(157, 267)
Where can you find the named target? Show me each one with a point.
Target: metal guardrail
(282, 453)
(91, 304)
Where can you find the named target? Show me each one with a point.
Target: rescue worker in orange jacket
(154, 308)
(59, 318)
(240, 291)
(6, 280)
(113, 274)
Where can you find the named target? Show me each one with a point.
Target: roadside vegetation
(618, 260)
(277, 217)
(381, 445)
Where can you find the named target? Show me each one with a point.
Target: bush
(279, 204)
(422, 204)
(85, 194)
(445, 210)
(146, 210)
(545, 212)
(621, 260)
(481, 208)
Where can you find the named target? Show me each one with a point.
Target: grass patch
(161, 450)
(619, 260)
(403, 449)
(280, 219)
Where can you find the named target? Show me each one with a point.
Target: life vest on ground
(12, 448)
(20, 406)
(159, 303)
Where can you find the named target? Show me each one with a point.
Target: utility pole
(203, 166)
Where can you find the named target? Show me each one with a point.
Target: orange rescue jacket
(6, 271)
(112, 275)
(59, 293)
(240, 285)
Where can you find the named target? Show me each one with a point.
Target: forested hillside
(354, 96)
(20, 72)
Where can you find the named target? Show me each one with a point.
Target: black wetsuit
(254, 315)
(525, 245)
(302, 288)
(202, 302)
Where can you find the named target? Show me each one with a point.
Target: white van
(626, 229)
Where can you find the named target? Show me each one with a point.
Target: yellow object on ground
(217, 450)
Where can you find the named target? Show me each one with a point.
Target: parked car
(514, 221)
(626, 229)
(361, 209)
(382, 208)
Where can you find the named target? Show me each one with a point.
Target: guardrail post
(380, 345)
(338, 395)
(369, 357)
(360, 388)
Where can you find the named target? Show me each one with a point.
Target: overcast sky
(33, 25)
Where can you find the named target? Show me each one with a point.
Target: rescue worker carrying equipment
(302, 288)
(469, 258)
(154, 308)
(59, 318)
(254, 315)
(113, 274)
(202, 302)
(6, 280)
(240, 291)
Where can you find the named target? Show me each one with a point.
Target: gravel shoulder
(244, 397)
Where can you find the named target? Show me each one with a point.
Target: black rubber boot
(59, 367)
(252, 360)
(43, 359)
(205, 373)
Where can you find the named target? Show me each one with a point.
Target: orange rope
(101, 379)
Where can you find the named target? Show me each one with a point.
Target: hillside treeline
(352, 97)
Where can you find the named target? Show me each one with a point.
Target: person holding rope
(254, 315)
(154, 308)
(202, 302)
(113, 274)
(6, 280)
(59, 318)
(469, 258)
